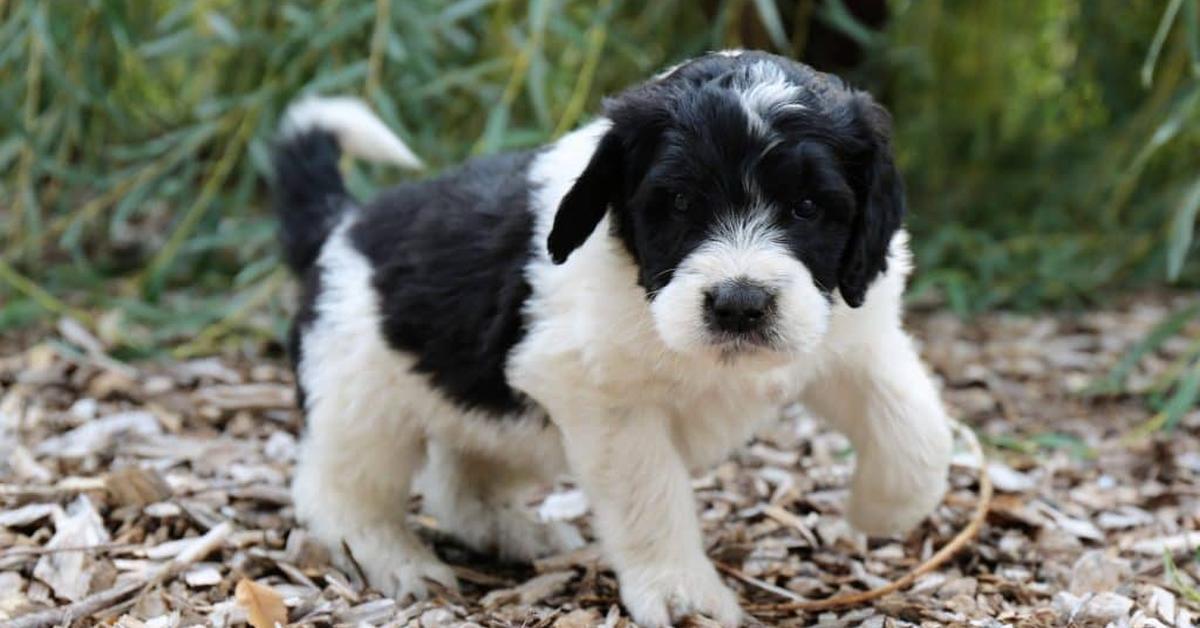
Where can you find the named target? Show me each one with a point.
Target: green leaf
(1191, 21)
(1180, 583)
(464, 9)
(1160, 38)
(835, 14)
(1057, 440)
(768, 14)
(19, 312)
(493, 133)
(1187, 391)
(1166, 328)
(1183, 226)
(223, 28)
(535, 84)
(1185, 106)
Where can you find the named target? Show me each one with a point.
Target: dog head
(752, 193)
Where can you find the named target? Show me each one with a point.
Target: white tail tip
(358, 130)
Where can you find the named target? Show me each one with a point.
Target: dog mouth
(730, 346)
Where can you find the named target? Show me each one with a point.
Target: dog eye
(806, 210)
(680, 203)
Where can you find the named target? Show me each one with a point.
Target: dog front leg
(645, 514)
(880, 395)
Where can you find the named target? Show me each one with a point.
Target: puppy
(627, 303)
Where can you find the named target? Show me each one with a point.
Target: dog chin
(742, 353)
(755, 358)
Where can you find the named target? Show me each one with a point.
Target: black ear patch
(881, 206)
(586, 202)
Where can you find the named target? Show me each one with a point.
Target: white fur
(632, 408)
(358, 130)
(768, 91)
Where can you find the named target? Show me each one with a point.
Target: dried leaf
(263, 605)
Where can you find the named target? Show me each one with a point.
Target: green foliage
(1051, 148)
(1181, 583)
(1042, 167)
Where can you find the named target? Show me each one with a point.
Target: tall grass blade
(1160, 38)
(1183, 226)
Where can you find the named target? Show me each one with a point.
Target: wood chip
(136, 486)
(70, 573)
(247, 396)
(27, 515)
(530, 591)
(220, 433)
(99, 434)
(203, 575)
(1173, 543)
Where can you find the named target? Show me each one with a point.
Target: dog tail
(309, 193)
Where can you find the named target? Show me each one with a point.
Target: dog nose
(738, 306)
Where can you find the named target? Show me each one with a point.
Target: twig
(784, 516)
(762, 584)
(63, 488)
(105, 599)
(41, 551)
(966, 535)
(581, 556)
(358, 570)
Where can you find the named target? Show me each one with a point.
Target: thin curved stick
(966, 535)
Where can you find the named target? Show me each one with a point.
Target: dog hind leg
(481, 502)
(352, 487)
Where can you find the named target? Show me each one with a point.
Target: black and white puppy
(627, 303)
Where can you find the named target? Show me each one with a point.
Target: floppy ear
(881, 207)
(586, 202)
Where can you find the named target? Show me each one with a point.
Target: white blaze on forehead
(745, 245)
(767, 91)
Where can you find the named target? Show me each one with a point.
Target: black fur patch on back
(449, 257)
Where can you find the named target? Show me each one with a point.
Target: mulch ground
(156, 494)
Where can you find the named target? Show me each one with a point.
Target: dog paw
(658, 597)
(415, 579)
(894, 488)
(511, 534)
(897, 504)
(526, 540)
(405, 570)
